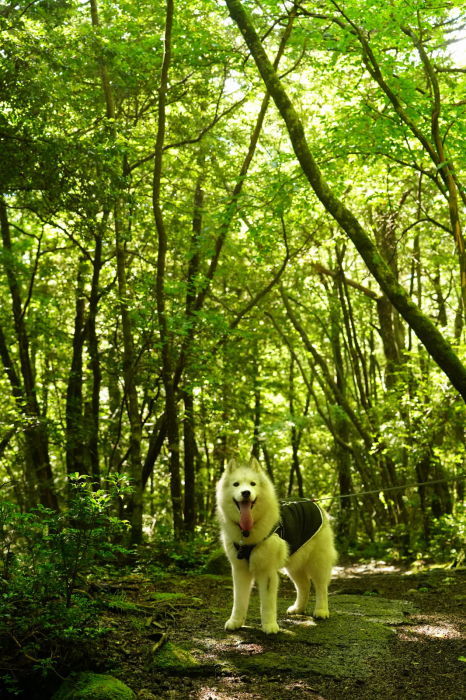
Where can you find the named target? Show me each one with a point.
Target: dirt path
(390, 635)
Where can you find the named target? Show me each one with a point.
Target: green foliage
(44, 559)
(167, 553)
(448, 540)
(375, 406)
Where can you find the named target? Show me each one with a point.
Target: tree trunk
(189, 463)
(93, 409)
(134, 500)
(342, 428)
(74, 392)
(171, 409)
(35, 429)
(257, 409)
(295, 469)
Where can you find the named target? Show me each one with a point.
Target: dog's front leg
(268, 587)
(242, 584)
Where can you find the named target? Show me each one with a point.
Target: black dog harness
(299, 521)
(244, 550)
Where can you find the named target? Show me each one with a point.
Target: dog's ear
(231, 465)
(254, 464)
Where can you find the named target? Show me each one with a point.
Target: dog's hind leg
(268, 587)
(319, 568)
(320, 573)
(321, 607)
(302, 584)
(242, 584)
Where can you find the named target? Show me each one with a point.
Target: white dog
(259, 539)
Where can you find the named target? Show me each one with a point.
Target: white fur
(312, 562)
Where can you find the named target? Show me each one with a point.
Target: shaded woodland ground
(392, 633)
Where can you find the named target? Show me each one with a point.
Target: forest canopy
(235, 227)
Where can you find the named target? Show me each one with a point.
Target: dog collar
(244, 550)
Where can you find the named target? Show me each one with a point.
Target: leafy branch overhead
(234, 229)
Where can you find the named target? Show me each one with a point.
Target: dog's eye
(236, 483)
(253, 483)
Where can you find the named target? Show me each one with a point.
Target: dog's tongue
(246, 520)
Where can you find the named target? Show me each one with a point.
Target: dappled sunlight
(230, 691)
(442, 630)
(248, 648)
(371, 567)
(212, 694)
(300, 622)
(230, 643)
(304, 688)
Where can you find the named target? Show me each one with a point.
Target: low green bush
(46, 614)
(167, 553)
(447, 539)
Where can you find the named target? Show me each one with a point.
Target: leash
(390, 488)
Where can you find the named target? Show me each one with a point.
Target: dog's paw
(294, 610)
(321, 613)
(233, 623)
(271, 628)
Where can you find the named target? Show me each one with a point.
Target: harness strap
(244, 550)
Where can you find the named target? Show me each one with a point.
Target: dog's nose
(245, 494)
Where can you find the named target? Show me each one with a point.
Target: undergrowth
(46, 615)
(167, 553)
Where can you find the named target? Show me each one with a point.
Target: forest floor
(392, 633)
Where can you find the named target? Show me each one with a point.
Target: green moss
(93, 686)
(176, 659)
(167, 597)
(122, 605)
(181, 599)
(375, 608)
(217, 563)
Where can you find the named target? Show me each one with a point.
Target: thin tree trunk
(188, 421)
(257, 409)
(134, 501)
(295, 436)
(156, 441)
(171, 409)
(93, 410)
(189, 463)
(35, 430)
(74, 393)
(342, 428)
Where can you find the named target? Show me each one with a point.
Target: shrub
(448, 537)
(44, 557)
(168, 553)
